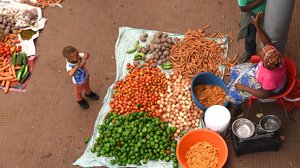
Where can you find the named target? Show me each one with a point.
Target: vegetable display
(135, 139)
(177, 105)
(209, 95)
(139, 91)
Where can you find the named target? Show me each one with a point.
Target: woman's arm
(261, 93)
(251, 5)
(261, 33)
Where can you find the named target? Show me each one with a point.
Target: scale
(247, 138)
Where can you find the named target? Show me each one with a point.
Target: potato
(159, 47)
(4, 22)
(168, 58)
(136, 62)
(162, 57)
(159, 62)
(145, 35)
(157, 50)
(147, 47)
(2, 26)
(169, 40)
(8, 24)
(157, 35)
(8, 20)
(167, 49)
(6, 31)
(163, 40)
(143, 39)
(164, 35)
(160, 53)
(144, 50)
(155, 60)
(157, 41)
(152, 56)
(163, 48)
(156, 57)
(1, 19)
(166, 53)
(154, 53)
(164, 60)
(151, 48)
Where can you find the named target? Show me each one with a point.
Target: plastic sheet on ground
(126, 39)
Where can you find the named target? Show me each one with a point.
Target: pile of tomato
(7, 50)
(139, 91)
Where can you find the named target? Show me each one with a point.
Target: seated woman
(262, 80)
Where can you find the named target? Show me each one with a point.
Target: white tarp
(126, 39)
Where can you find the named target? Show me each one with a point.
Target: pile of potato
(8, 24)
(159, 48)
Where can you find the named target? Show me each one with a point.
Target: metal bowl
(243, 128)
(270, 123)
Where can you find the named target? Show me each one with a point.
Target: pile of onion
(177, 106)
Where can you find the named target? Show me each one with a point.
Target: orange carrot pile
(197, 53)
(209, 95)
(202, 155)
(139, 91)
(11, 40)
(7, 74)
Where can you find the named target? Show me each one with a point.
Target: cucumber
(25, 70)
(25, 77)
(20, 73)
(13, 58)
(19, 59)
(24, 59)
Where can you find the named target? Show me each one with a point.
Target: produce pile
(198, 53)
(159, 50)
(134, 139)
(139, 91)
(209, 95)
(177, 106)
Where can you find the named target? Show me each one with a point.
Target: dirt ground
(44, 127)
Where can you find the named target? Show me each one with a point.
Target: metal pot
(270, 123)
(243, 128)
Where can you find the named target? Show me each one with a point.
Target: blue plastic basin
(207, 78)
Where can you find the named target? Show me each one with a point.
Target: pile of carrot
(202, 155)
(209, 95)
(11, 40)
(7, 73)
(197, 53)
(139, 91)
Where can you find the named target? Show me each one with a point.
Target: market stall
(19, 26)
(150, 106)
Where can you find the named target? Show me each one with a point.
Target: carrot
(6, 78)
(13, 70)
(7, 87)
(17, 67)
(9, 70)
(5, 74)
(3, 83)
(5, 67)
(5, 61)
(14, 80)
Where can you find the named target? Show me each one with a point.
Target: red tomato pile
(7, 50)
(139, 91)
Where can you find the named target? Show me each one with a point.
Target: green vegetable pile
(135, 139)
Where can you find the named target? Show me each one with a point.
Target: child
(249, 9)
(262, 80)
(80, 77)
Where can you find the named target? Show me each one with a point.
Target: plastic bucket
(206, 78)
(217, 119)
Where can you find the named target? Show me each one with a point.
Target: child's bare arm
(251, 5)
(73, 70)
(84, 59)
(261, 33)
